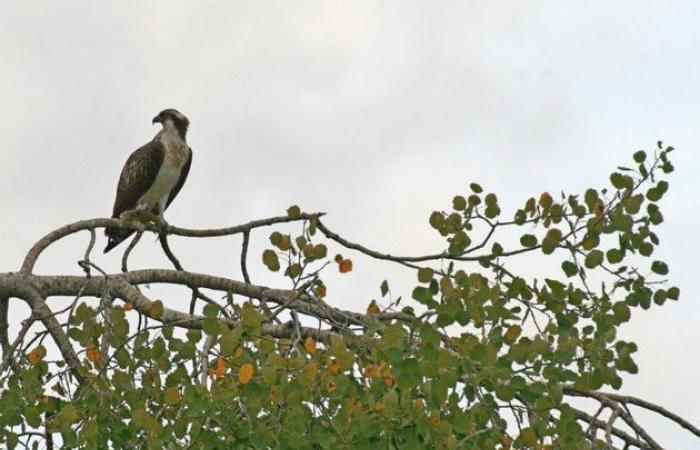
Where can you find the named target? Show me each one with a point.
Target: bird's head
(172, 118)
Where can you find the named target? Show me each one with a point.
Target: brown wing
(183, 176)
(137, 176)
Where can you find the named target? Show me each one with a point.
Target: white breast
(176, 155)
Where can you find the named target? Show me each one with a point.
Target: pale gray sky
(376, 112)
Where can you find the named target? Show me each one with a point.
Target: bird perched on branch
(154, 174)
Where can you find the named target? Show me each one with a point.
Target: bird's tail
(116, 236)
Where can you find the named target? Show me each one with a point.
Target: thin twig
(128, 250)
(244, 254)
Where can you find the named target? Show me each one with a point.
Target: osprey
(153, 174)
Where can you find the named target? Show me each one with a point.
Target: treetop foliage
(481, 356)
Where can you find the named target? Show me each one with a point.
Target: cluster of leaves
(300, 255)
(481, 346)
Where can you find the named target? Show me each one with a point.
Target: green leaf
(618, 180)
(569, 268)
(320, 251)
(640, 156)
(614, 255)
(194, 335)
(228, 341)
(210, 310)
(528, 240)
(634, 203)
(275, 238)
(459, 203)
(591, 199)
(293, 271)
(594, 258)
(660, 296)
(673, 293)
(384, 288)
(527, 437)
(460, 241)
(621, 311)
(270, 259)
(437, 219)
(659, 267)
(172, 396)
(210, 325)
(68, 415)
(294, 212)
(425, 274)
(646, 249)
(476, 188)
(250, 317)
(492, 211)
(551, 241)
(654, 194)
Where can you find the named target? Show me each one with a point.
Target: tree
(480, 357)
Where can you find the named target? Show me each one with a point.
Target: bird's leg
(141, 217)
(162, 225)
(134, 217)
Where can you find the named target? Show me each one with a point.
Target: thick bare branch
(88, 224)
(626, 438)
(19, 285)
(123, 286)
(303, 303)
(614, 405)
(626, 399)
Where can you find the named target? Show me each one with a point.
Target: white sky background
(374, 112)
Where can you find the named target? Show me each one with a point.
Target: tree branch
(36, 250)
(614, 405)
(19, 285)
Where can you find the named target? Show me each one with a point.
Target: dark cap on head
(180, 121)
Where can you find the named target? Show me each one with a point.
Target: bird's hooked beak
(157, 119)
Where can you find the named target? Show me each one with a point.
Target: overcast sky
(374, 112)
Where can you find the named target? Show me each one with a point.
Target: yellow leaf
(93, 355)
(245, 373)
(320, 290)
(330, 387)
(310, 371)
(334, 366)
(36, 355)
(220, 367)
(371, 371)
(373, 308)
(388, 378)
(310, 345)
(172, 396)
(238, 353)
(507, 442)
(345, 265)
(128, 306)
(599, 210)
(156, 309)
(512, 333)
